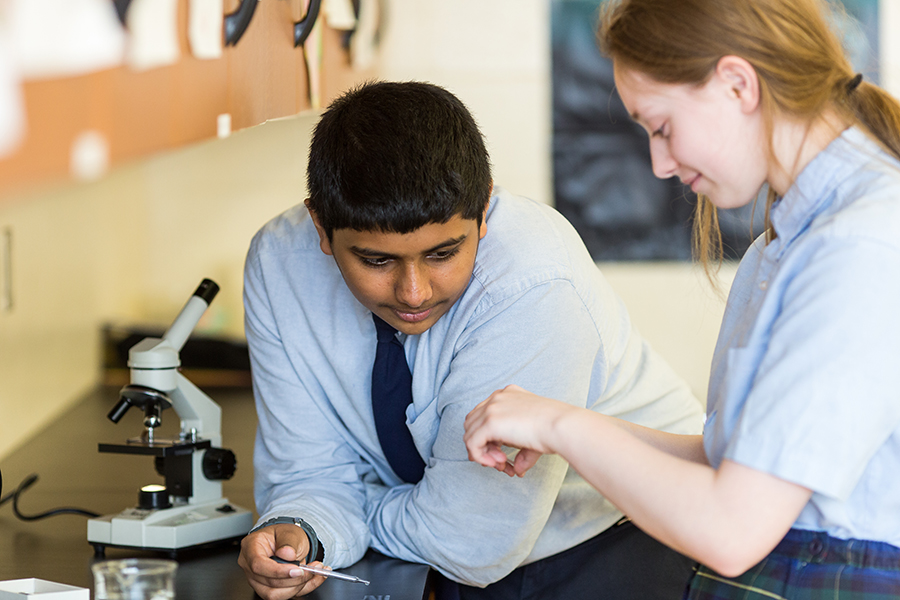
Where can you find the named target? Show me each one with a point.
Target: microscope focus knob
(219, 464)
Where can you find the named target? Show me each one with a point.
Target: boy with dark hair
(404, 293)
(430, 164)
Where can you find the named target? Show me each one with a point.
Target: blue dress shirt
(537, 313)
(805, 381)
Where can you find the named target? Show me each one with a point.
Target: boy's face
(410, 280)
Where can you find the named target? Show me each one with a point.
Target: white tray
(39, 589)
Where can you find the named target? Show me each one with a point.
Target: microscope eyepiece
(181, 328)
(207, 290)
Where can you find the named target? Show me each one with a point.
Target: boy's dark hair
(395, 156)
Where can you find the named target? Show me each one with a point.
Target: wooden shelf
(139, 113)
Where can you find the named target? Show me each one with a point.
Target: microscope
(189, 510)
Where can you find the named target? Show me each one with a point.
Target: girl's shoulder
(867, 205)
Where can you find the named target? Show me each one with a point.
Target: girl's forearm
(688, 447)
(727, 519)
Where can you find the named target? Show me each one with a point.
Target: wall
(496, 57)
(678, 311)
(131, 248)
(889, 21)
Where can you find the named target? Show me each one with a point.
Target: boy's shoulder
(517, 221)
(289, 231)
(528, 243)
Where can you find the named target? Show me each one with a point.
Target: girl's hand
(517, 418)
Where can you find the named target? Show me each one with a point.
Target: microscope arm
(197, 411)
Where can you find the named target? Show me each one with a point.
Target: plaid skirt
(810, 565)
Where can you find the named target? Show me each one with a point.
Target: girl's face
(711, 137)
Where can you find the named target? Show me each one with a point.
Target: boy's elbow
(479, 574)
(481, 578)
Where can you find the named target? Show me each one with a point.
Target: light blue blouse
(805, 380)
(537, 313)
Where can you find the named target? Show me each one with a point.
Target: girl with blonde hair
(793, 489)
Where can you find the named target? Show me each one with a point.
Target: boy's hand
(273, 580)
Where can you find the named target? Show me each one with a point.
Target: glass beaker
(134, 579)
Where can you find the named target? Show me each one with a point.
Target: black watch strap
(316, 549)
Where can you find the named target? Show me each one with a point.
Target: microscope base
(171, 529)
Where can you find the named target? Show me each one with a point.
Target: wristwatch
(316, 550)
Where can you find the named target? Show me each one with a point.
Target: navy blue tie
(391, 394)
